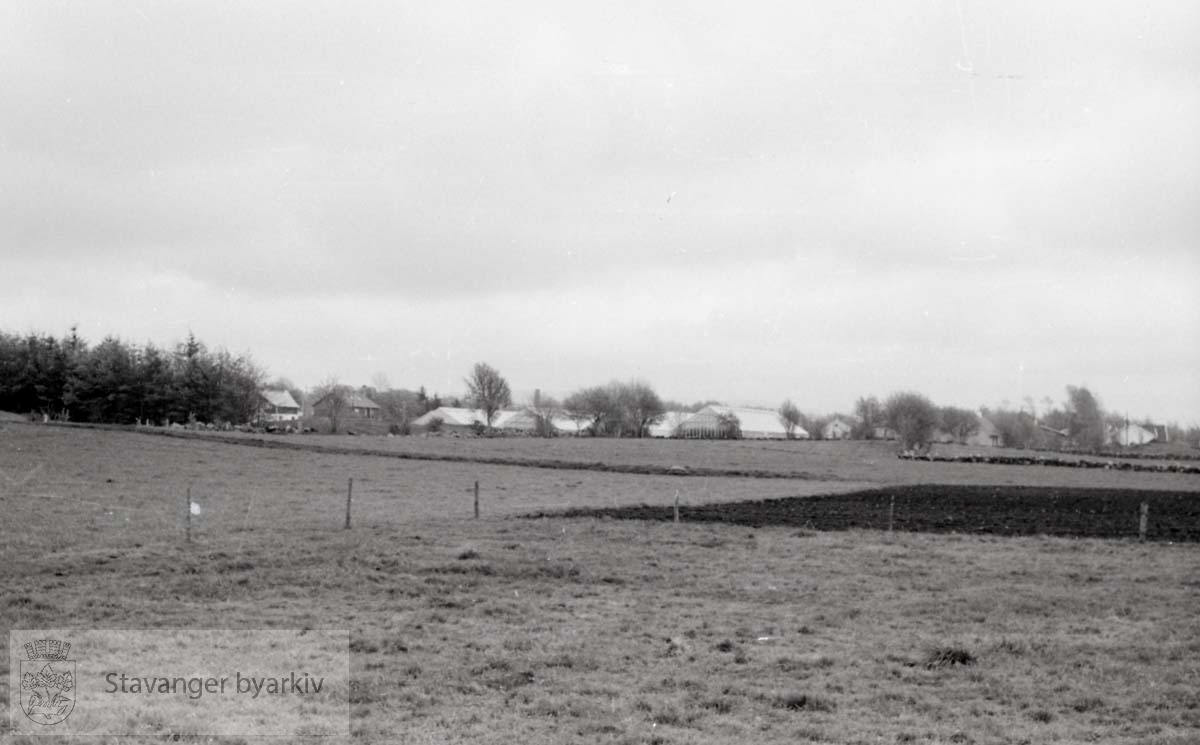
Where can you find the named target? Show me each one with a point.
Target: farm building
(1160, 432)
(455, 419)
(837, 429)
(1131, 434)
(357, 406)
(669, 424)
(755, 424)
(278, 406)
(987, 436)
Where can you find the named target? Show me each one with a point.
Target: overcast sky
(743, 201)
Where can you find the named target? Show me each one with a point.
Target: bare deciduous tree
(333, 399)
(958, 423)
(544, 409)
(789, 417)
(640, 406)
(488, 391)
(870, 415)
(914, 418)
(593, 405)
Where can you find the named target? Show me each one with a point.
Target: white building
(669, 425)
(1132, 434)
(755, 424)
(837, 429)
(468, 420)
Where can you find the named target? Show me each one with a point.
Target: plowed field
(997, 510)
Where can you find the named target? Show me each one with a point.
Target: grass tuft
(941, 657)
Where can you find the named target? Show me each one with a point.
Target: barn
(986, 436)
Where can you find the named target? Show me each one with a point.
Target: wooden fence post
(187, 514)
(476, 500)
(1143, 521)
(891, 515)
(676, 505)
(349, 497)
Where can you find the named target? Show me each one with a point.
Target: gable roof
(450, 415)
(354, 400)
(359, 401)
(280, 399)
(837, 421)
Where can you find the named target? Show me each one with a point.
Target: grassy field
(547, 631)
(858, 461)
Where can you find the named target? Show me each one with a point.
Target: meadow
(586, 629)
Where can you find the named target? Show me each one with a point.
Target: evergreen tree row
(121, 383)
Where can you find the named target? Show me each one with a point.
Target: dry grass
(505, 630)
(856, 461)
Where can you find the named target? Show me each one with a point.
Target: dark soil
(997, 510)
(1044, 460)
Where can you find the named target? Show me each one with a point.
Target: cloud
(729, 200)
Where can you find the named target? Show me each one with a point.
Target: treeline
(68, 379)
(1079, 423)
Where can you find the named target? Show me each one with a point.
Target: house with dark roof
(354, 406)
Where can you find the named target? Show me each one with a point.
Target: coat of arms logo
(46, 678)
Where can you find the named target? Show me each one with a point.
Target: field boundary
(548, 464)
(1035, 460)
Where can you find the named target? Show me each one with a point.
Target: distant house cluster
(358, 412)
(759, 424)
